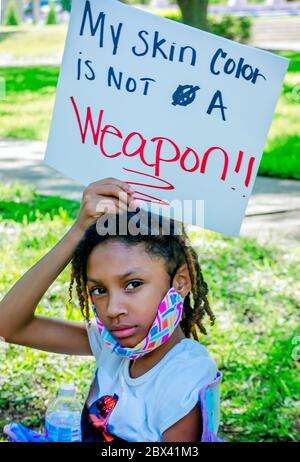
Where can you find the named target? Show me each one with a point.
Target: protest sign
(181, 114)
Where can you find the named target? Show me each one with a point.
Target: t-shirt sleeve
(94, 337)
(179, 389)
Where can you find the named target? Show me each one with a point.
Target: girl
(153, 380)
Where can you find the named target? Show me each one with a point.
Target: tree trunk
(19, 8)
(194, 12)
(35, 11)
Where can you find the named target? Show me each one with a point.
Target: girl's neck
(142, 365)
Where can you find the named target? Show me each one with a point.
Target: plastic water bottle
(63, 417)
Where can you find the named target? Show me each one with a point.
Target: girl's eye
(93, 291)
(101, 291)
(135, 283)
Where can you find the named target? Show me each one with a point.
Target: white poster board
(180, 114)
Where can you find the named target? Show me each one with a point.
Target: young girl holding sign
(152, 382)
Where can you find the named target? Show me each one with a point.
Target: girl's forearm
(18, 306)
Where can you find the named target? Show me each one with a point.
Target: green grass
(30, 225)
(34, 42)
(282, 153)
(254, 293)
(27, 109)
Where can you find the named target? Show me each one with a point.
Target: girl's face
(126, 285)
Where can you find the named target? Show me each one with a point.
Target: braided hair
(167, 240)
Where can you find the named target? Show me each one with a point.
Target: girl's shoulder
(188, 372)
(190, 349)
(192, 359)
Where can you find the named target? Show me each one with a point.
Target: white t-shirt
(150, 404)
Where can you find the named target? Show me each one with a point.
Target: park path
(272, 214)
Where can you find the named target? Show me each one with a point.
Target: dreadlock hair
(167, 240)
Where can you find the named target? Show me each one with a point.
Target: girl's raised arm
(18, 323)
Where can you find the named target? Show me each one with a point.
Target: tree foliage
(66, 5)
(11, 17)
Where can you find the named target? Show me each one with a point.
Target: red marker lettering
(103, 133)
(226, 161)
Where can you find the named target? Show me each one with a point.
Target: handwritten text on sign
(176, 112)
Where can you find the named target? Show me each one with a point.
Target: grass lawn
(26, 112)
(282, 152)
(26, 41)
(253, 292)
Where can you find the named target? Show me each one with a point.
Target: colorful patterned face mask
(167, 319)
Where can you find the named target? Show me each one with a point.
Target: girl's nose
(115, 308)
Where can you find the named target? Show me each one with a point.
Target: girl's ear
(182, 281)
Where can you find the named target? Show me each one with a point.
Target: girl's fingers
(106, 196)
(103, 197)
(98, 185)
(114, 191)
(104, 204)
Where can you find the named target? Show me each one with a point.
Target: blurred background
(253, 279)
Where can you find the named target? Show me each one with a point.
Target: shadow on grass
(37, 208)
(7, 34)
(294, 56)
(282, 156)
(32, 78)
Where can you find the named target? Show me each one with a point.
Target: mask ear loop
(171, 283)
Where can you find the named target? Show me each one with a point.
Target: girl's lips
(123, 333)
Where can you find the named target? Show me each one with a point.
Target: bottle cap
(67, 390)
